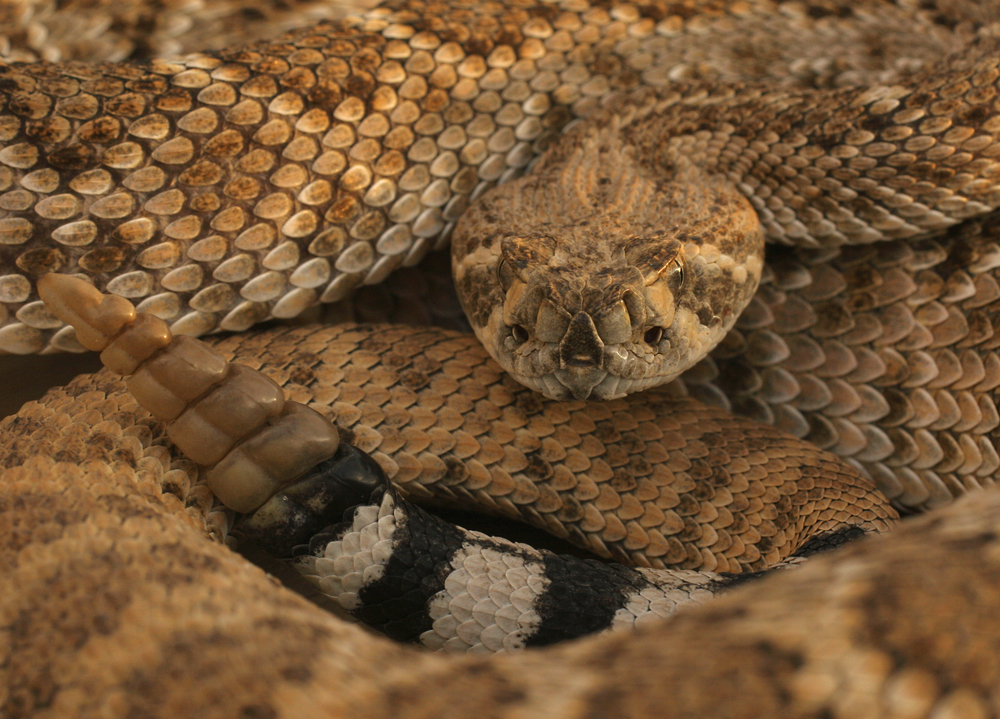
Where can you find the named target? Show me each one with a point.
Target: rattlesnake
(836, 654)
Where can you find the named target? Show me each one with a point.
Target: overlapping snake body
(404, 571)
(899, 359)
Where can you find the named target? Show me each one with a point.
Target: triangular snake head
(600, 275)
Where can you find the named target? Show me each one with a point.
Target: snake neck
(607, 270)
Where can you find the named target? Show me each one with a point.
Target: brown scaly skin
(652, 480)
(810, 356)
(907, 648)
(115, 30)
(885, 355)
(134, 511)
(216, 248)
(161, 176)
(114, 599)
(823, 168)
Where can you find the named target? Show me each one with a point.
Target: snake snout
(581, 346)
(581, 357)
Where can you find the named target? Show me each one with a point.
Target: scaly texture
(232, 186)
(418, 578)
(650, 480)
(115, 601)
(115, 30)
(655, 480)
(199, 190)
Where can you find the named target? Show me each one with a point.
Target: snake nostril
(519, 334)
(653, 336)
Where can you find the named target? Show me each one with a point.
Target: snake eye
(519, 334)
(653, 336)
(504, 275)
(675, 274)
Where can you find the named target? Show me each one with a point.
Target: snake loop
(249, 182)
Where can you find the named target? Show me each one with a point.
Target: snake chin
(566, 385)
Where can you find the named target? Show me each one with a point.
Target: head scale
(595, 277)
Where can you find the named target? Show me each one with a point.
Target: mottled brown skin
(116, 30)
(654, 480)
(886, 355)
(172, 182)
(116, 599)
(903, 181)
(864, 633)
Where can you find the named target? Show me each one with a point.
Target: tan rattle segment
(225, 416)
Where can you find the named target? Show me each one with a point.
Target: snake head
(598, 284)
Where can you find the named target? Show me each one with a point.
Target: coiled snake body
(229, 186)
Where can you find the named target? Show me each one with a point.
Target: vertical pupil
(677, 275)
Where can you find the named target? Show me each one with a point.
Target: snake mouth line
(589, 384)
(581, 381)
(616, 371)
